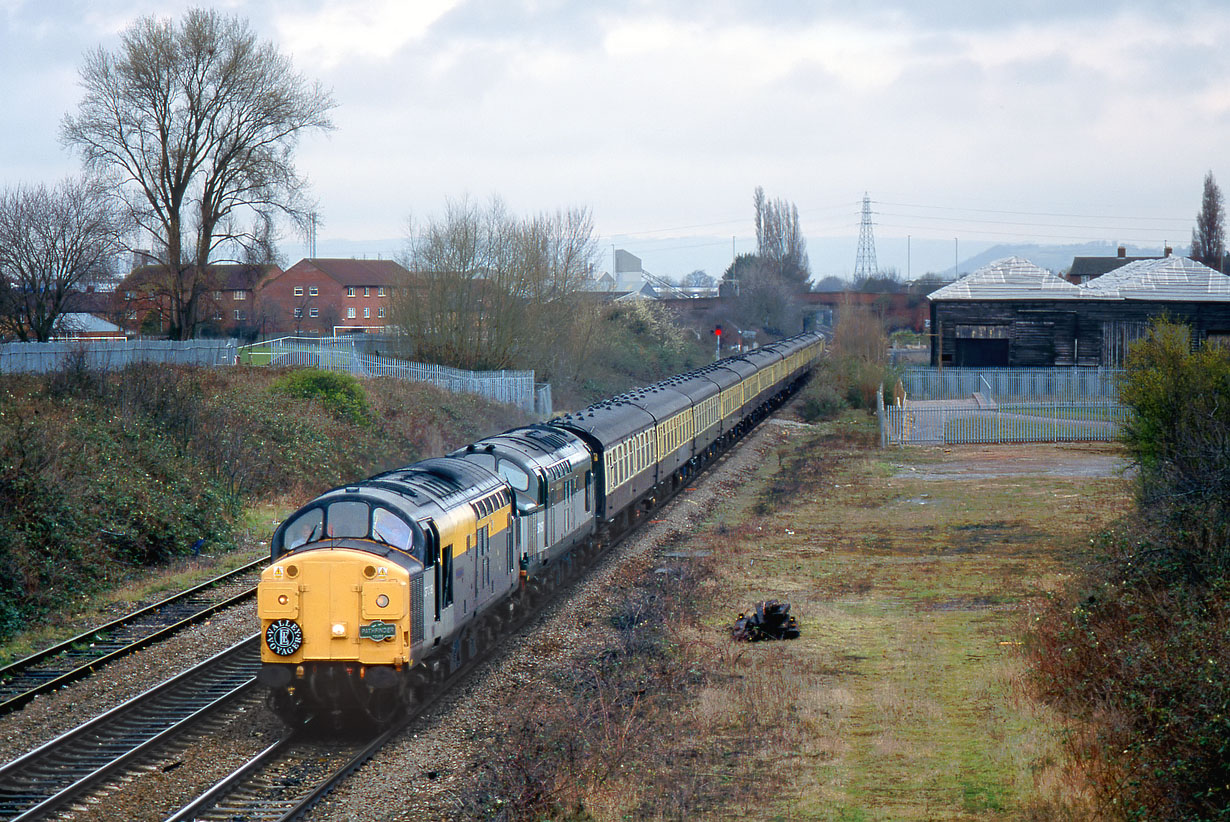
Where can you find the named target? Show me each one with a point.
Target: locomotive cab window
(303, 530)
(391, 529)
(348, 519)
(515, 475)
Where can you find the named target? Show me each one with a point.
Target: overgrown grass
(902, 699)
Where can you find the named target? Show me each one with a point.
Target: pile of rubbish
(770, 620)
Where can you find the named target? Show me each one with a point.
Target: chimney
(1166, 251)
(1122, 251)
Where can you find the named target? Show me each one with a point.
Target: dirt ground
(973, 462)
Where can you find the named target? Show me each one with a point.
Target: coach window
(391, 529)
(348, 519)
(303, 530)
(589, 489)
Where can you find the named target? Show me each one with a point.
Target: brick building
(322, 296)
(230, 303)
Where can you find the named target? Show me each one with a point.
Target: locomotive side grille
(416, 609)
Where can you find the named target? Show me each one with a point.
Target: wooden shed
(1013, 313)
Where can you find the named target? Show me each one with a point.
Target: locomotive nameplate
(378, 631)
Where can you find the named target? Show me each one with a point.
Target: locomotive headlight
(383, 600)
(283, 599)
(339, 629)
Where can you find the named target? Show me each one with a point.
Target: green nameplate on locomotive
(377, 631)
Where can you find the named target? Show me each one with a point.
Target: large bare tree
(199, 121)
(1209, 235)
(490, 290)
(54, 240)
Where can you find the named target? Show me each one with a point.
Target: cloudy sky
(967, 123)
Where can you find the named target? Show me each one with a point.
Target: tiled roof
(360, 272)
(1178, 279)
(1011, 278)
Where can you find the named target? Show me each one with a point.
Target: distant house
(322, 296)
(1085, 269)
(1013, 313)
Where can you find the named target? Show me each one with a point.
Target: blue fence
(1050, 384)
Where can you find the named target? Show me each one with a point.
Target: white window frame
(298, 291)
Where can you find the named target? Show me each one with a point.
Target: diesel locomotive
(381, 588)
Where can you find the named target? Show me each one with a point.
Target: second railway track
(69, 768)
(68, 661)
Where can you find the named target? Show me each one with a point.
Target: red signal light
(717, 330)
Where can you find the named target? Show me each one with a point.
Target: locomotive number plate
(284, 637)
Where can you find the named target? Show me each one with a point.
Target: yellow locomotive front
(336, 609)
(335, 605)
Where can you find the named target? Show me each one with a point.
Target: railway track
(67, 769)
(286, 779)
(78, 657)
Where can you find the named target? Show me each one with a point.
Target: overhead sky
(967, 123)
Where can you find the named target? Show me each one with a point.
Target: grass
(902, 699)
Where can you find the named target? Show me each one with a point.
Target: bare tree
(199, 121)
(489, 290)
(1209, 235)
(53, 242)
(779, 240)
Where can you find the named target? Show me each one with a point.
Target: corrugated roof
(1011, 278)
(1178, 279)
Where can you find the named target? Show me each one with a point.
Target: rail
(78, 657)
(70, 766)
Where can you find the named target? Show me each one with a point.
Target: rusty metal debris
(770, 620)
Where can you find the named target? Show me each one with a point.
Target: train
(378, 590)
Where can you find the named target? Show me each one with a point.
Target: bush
(820, 400)
(1138, 649)
(340, 393)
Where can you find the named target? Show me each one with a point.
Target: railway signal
(717, 333)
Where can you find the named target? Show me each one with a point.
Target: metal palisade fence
(108, 355)
(512, 387)
(1049, 384)
(362, 359)
(967, 406)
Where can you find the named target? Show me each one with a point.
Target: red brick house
(230, 304)
(322, 296)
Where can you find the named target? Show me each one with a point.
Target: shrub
(1138, 648)
(340, 393)
(820, 400)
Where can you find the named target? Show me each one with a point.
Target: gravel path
(415, 776)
